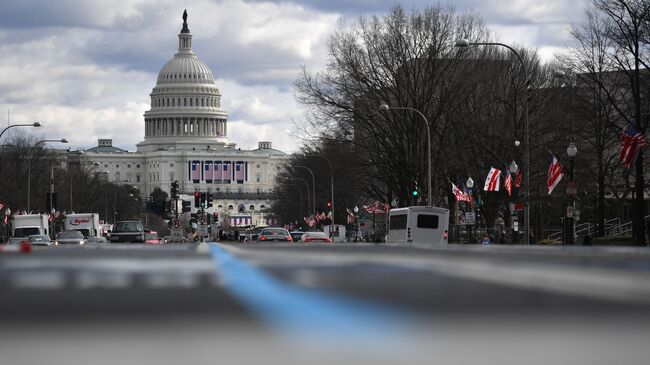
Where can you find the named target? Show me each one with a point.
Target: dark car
(274, 234)
(127, 231)
(295, 235)
(70, 237)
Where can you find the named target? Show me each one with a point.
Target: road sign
(177, 235)
(515, 226)
(569, 211)
(203, 229)
(176, 223)
(470, 218)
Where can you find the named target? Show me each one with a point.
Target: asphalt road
(306, 303)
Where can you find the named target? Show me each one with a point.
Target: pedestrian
(486, 239)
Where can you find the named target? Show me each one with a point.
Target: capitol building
(186, 139)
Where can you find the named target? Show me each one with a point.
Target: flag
(631, 143)
(239, 171)
(350, 216)
(1, 206)
(508, 183)
(518, 178)
(493, 180)
(554, 174)
(208, 171)
(460, 196)
(217, 171)
(196, 170)
(6, 220)
(226, 171)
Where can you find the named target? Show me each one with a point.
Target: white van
(86, 223)
(418, 225)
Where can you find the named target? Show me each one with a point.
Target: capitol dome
(185, 103)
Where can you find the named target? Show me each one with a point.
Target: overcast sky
(85, 68)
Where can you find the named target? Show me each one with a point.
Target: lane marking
(309, 314)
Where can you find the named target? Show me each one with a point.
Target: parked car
(274, 234)
(39, 240)
(151, 238)
(315, 237)
(70, 237)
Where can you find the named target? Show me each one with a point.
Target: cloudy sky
(85, 68)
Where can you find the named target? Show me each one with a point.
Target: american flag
(196, 170)
(226, 171)
(208, 173)
(239, 171)
(1, 206)
(631, 143)
(493, 180)
(518, 178)
(6, 220)
(508, 183)
(555, 174)
(217, 170)
(460, 196)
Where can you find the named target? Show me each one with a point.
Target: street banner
(493, 180)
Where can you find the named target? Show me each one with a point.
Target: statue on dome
(185, 29)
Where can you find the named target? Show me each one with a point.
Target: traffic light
(329, 204)
(415, 191)
(197, 200)
(203, 197)
(215, 215)
(208, 202)
(174, 189)
(187, 206)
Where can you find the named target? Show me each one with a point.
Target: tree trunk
(600, 203)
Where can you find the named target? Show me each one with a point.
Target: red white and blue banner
(555, 173)
(240, 174)
(217, 171)
(631, 143)
(493, 180)
(460, 195)
(208, 173)
(508, 183)
(227, 171)
(195, 171)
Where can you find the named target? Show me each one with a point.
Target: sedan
(315, 237)
(70, 237)
(16, 240)
(152, 238)
(39, 240)
(274, 234)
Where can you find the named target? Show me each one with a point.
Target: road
(333, 303)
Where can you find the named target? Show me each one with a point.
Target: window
(230, 207)
(128, 166)
(105, 165)
(117, 166)
(262, 207)
(137, 178)
(258, 166)
(171, 176)
(171, 164)
(258, 177)
(219, 207)
(398, 222)
(427, 221)
(191, 101)
(138, 165)
(252, 207)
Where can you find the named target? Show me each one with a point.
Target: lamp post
(307, 185)
(470, 185)
(356, 223)
(571, 152)
(464, 43)
(386, 107)
(35, 124)
(313, 181)
(331, 187)
(29, 166)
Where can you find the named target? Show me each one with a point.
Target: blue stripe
(309, 314)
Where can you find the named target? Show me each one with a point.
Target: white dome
(185, 68)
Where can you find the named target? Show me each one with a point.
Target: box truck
(86, 223)
(29, 224)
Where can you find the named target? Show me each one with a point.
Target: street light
(386, 107)
(313, 181)
(464, 43)
(29, 165)
(571, 152)
(356, 223)
(331, 187)
(35, 124)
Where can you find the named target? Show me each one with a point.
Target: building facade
(186, 139)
